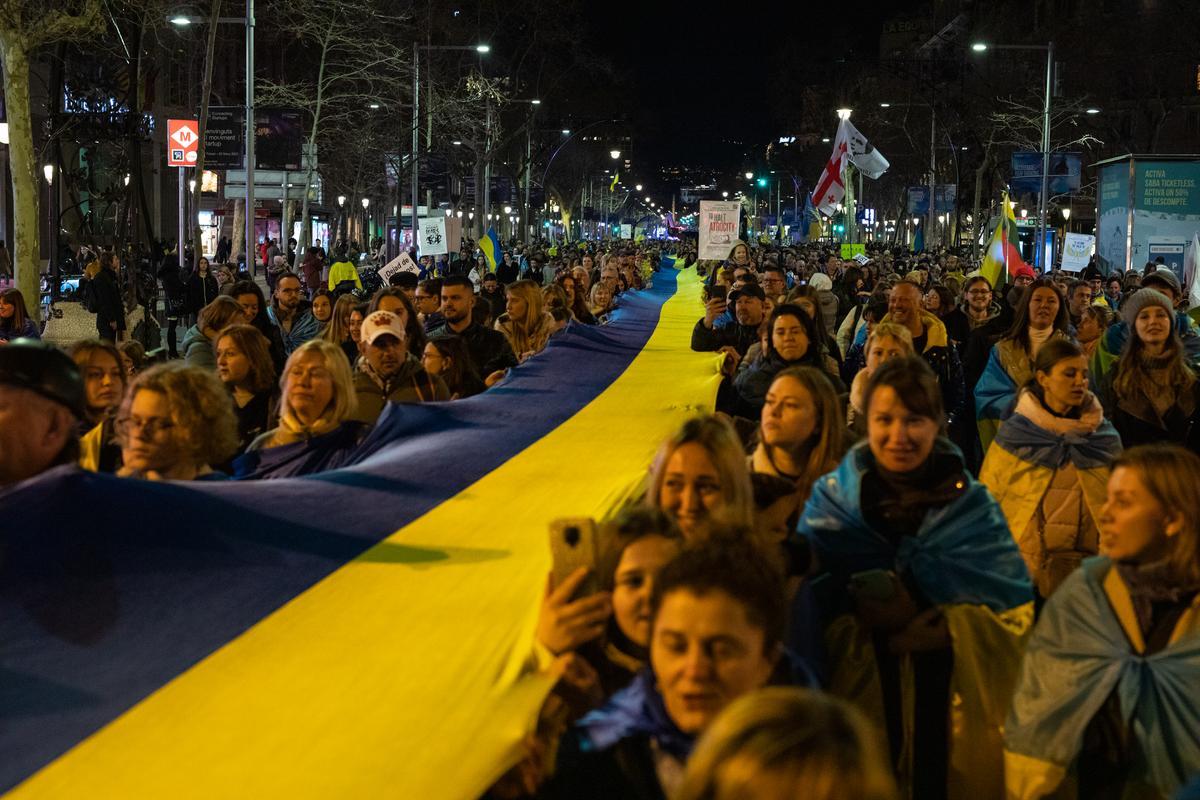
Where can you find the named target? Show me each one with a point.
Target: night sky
(698, 79)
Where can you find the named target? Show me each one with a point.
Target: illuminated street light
(843, 113)
(749, 176)
(366, 201)
(637, 188)
(885, 105)
(508, 209)
(1092, 111)
(615, 154)
(482, 48)
(181, 21)
(979, 47)
(724, 194)
(48, 171)
(341, 200)
(1067, 214)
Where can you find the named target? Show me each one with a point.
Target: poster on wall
(1077, 251)
(1112, 216)
(719, 224)
(626, 231)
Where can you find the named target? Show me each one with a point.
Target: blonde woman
(175, 423)
(338, 329)
(700, 478)
(887, 340)
(1106, 702)
(787, 742)
(525, 324)
(315, 430)
(600, 300)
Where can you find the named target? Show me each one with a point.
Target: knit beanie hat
(1143, 297)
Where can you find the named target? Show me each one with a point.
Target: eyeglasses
(150, 427)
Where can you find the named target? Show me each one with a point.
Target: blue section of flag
(113, 587)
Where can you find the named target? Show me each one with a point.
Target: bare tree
(25, 27)
(346, 66)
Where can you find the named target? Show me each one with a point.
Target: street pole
(487, 160)
(182, 215)
(416, 134)
(1042, 198)
(932, 175)
(249, 215)
(528, 155)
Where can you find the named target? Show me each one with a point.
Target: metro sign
(182, 140)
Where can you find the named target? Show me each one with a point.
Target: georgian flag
(850, 145)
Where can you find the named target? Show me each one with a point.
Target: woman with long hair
(1106, 703)
(104, 381)
(886, 340)
(700, 478)
(338, 329)
(447, 357)
(322, 308)
(525, 324)
(801, 434)
(244, 366)
(254, 310)
(914, 550)
(600, 301)
(1041, 316)
(1152, 394)
(794, 341)
(14, 317)
(576, 296)
(1048, 466)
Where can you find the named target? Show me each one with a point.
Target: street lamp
(980, 47)
(416, 119)
(192, 185)
(615, 154)
(126, 178)
(843, 113)
(749, 176)
(724, 194)
(637, 188)
(1092, 111)
(48, 171)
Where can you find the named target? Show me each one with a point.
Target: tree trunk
(26, 253)
(305, 222)
(205, 93)
(239, 233)
(977, 223)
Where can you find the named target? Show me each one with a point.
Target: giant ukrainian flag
(360, 633)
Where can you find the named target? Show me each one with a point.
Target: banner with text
(1077, 251)
(719, 224)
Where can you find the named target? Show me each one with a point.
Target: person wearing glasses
(175, 422)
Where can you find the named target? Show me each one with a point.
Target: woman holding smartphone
(925, 596)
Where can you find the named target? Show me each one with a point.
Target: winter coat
(201, 291)
(943, 359)
(1138, 422)
(198, 349)
(27, 331)
(1009, 367)
(412, 384)
(737, 336)
(489, 349)
(754, 378)
(1049, 475)
(174, 288)
(962, 560)
(108, 304)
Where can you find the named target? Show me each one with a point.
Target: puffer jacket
(1049, 474)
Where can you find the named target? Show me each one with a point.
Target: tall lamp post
(183, 20)
(416, 118)
(982, 47)
(342, 215)
(366, 203)
(52, 231)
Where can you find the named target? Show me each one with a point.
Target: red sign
(182, 139)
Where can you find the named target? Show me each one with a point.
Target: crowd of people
(933, 541)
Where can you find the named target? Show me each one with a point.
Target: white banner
(626, 231)
(719, 224)
(433, 236)
(401, 263)
(1077, 251)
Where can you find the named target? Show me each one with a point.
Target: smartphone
(575, 543)
(874, 584)
(715, 291)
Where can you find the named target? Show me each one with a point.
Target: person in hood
(1048, 466)
(388, 373)
(199, 340)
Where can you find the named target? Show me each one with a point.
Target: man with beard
(489, 350)
(291, 313)
(492, 293)
(930, 342)
(388, 373)
(748, 309)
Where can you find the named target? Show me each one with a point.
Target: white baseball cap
(380, 322)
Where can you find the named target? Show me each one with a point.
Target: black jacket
(507, 273)
(625, 770)
(489, 349)
(173, 287)
(107, 299)
(200, 291)
(736, 335)
(1138, 423)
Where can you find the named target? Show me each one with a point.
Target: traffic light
(762, 181)
(839, 228)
